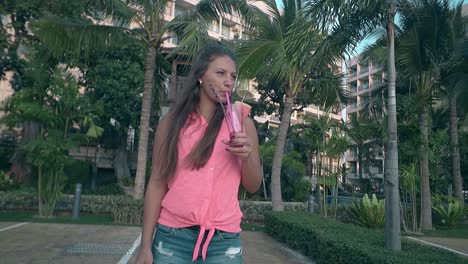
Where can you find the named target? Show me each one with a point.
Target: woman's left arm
(252, 173)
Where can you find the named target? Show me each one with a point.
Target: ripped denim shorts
(176, 245)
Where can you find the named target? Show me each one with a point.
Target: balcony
(364, 69)
(101, 157)
(363, 87)
(190, 2)
(352, 74)
(352, 107)
(351, 175)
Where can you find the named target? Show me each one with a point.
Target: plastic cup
(237, 121)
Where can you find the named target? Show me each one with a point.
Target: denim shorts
(176, 245)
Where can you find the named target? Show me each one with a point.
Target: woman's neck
(206, 109)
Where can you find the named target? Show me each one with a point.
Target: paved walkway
(66, 243)
(455, 245)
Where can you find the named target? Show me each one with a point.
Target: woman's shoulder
(164, 125)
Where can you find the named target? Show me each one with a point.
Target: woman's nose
(229, 82)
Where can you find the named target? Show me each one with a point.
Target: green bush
(369, 213)
(6, 182)
(76, 171)
(329, 241)
(451, 216)
(108, 189)
(123, 209)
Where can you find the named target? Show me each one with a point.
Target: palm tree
(454, 80)
(295, 51)
(360, 17)
(425, 54)
(147, 16)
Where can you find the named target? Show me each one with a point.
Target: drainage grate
(96, 249)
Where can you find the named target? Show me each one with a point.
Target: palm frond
(266, 44)
(77, 37)
(191, 27)
(329, 14)
(118, 10)
(376, 52)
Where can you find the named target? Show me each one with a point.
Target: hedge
(329, 241)
(124, 209)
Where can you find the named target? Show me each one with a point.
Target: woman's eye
(220, 73)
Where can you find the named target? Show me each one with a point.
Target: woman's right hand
(145, 257)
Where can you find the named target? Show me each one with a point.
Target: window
(178, 11)
(213, 26)
(353, 167)
(226, 31)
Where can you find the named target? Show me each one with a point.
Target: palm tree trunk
(39, 189)
(392, 195)
(426, 204)
(120, 162)
(360, 173)
(144, 124)
(19, 166)
(456, 175)
(276, 198)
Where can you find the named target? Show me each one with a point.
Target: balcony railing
(364, 69)
(352, 74)
(363, 87)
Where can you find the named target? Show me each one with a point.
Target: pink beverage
(236, 121)
(239, 112)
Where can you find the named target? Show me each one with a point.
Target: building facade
(362, 78)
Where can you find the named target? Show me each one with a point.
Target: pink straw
(228, 100)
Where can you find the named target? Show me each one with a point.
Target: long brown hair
(185, 106)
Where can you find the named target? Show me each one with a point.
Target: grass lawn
(61, 218)
(247, 226)
(460, 231)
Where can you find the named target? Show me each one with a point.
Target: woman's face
(219, 78)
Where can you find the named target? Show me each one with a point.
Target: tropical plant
(369, 213)
(451, 216)
(422, 53)
(297, 53)
(295, 187)
(6, 182)
(115, 76)
(75, 36)
(359, 18)
(410, 190)
(50, 99)
(16, 17)
(453, 81)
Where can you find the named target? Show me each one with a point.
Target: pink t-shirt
(206, 197)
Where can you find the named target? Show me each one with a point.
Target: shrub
(6, 182)
(329, 241)
(369, 213)
(123, 209)
(453, 215)
(108, 189)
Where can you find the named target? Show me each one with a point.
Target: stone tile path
(66, 243)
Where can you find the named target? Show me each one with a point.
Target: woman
(191, 198)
